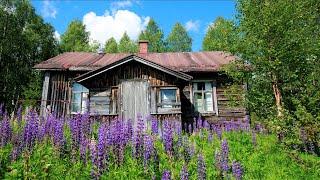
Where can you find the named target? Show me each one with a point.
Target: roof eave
(98, 71)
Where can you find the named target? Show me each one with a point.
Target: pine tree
(179, 40)
(154, 35)
(111, 46)
(126, 45)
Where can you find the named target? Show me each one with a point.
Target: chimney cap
(143, 41)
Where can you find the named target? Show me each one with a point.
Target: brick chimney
(143, 46)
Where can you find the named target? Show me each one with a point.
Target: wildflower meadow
(87, 148)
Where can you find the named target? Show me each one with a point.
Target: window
(168, 97)
(79, 98)
(100, 102)
(203, 97)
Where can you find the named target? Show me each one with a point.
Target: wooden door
(134, 99)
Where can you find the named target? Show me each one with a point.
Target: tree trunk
(278, 98)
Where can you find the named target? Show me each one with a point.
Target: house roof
(130, 58)
(180, 61)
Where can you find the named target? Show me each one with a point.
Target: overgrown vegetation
(84, 148)
(278, 46)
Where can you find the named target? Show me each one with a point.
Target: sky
(105, 19)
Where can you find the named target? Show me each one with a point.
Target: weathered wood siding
(60, 92)
(134, 99)
(136, 71)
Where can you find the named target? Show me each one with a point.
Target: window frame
(162, 104)
(108, 104)
(203, 92)
(83, 107)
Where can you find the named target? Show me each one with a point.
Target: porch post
(44, 98)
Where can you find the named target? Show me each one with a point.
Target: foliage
(154, 35)
(90, 149)
(111, 46)
(25, 39)
(76, 38)
(281, 41)
(126, 45)
(178, 40)
(220, 36)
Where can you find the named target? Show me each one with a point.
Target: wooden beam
(215, 99)
(44, 97)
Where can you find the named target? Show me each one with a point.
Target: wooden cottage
(176, 85)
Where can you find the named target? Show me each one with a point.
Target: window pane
(198, 102)
(195, 86)
(76, 97)
(208, 86)
(78, 87)
(84, 102)
(208, 100)
(200, 86)
(168, 96)
(75, 107)
(76, 102)
(99, 102)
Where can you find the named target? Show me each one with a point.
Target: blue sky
(105, 19)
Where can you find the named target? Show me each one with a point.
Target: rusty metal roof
(179, 61)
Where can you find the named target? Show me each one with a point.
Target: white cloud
(114, 25)
(48, 9)
(192, 25)
(57, 35)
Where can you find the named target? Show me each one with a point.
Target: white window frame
(214, 95)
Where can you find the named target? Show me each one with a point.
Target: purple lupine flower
(224, 155)
(41, 133)
(184, 175)
(206, 125)
(186, 149)
(154, 126)
(166, 175)
(83, 148)
(199, 122)
(167, 137)
(217, 158)
(5, 131)
(138, 137)
(58, 138)
(218, 131)
(30, 132)
(237, 170)
(94, 159)
(201, 168)
(129, 129)
(254, 138)
(148, 148)
(102, 147)
(177, 127)
(75, 131)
